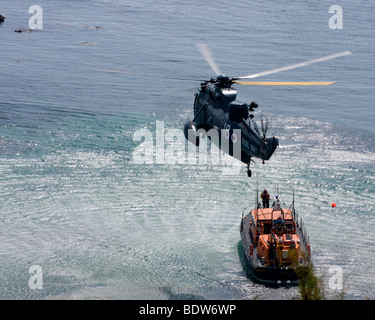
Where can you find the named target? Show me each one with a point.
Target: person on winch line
(265, 198)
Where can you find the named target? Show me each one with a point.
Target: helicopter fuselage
(215, 107)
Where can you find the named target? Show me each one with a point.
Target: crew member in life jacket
(279, 251)
(278, 226)
(265, 198)
(272, 252)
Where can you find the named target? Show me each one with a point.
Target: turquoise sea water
(102, 226)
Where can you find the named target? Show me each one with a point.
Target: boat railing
(301, 226)
(243, 211)
(275, 262)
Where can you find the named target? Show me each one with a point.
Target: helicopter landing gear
(248, 170)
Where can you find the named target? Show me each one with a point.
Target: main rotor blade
(206, 53)
(140, 74)
(184, 89)
(173, 91)
(255, 83)
(297, 65)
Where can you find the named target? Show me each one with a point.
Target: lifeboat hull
(269, 272)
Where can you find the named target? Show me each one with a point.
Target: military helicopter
(216, 108)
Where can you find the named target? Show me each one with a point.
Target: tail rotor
(264, 126)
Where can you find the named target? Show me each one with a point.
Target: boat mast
(294, 211)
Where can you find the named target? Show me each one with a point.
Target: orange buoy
(333, 205)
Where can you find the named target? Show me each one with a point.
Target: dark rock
(24, 30)
(2, 18)
(92, 27)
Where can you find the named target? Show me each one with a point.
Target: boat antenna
(256, 194)
(256, 197)
(294, 211)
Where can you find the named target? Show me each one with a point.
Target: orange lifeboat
(274, 241)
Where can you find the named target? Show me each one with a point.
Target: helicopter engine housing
(238, 111)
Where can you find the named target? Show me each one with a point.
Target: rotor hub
(224, 80)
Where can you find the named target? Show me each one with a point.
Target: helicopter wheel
(248, 170)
